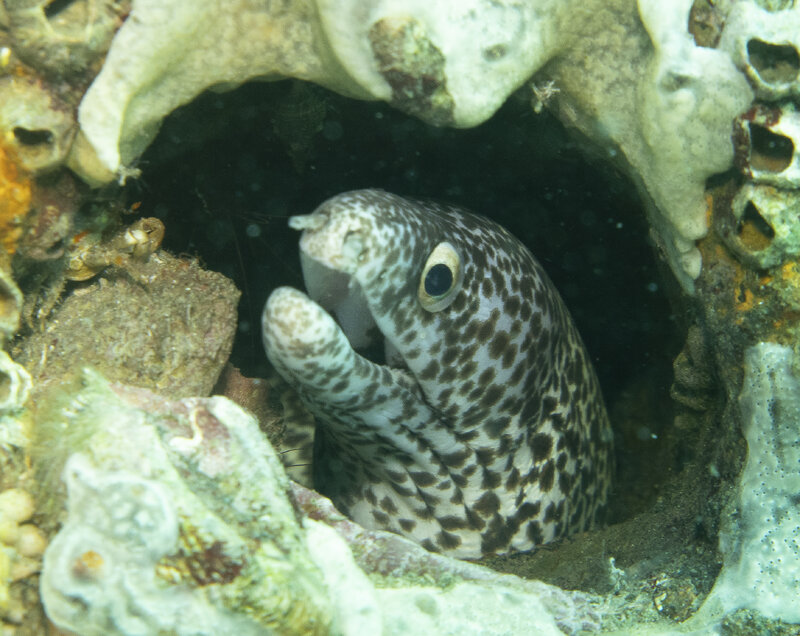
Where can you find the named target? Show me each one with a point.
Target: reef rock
(760, 542)
(641, 86)
(167, 53)
(642, 83)
(450, 63)
(164, 324)
(658, 83)
(180, 519)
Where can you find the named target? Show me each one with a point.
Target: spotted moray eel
(484, 432)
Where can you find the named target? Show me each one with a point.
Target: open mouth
(340, 295)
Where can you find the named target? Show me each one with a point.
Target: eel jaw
(340, 294)
(332, 248)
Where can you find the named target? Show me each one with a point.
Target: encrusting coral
(181, 519)
(645, 85)
(642, 87)
(22, 545)
(15, 200)
(167, 509)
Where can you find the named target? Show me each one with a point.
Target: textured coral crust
(495, 439)
(177, 521)
(199, 561)
(760, 544)
(164, 324)
(414, 68)
(15, 199)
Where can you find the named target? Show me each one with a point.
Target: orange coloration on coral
(790, 273)
(15, 200)
(80, 236)
(745, 299)
(88, 565)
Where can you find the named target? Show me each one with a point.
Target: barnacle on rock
(63, 38)
(34, 123)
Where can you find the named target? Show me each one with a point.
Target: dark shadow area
(227, 170)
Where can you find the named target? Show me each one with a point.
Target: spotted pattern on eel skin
(485, 432)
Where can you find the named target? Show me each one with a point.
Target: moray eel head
(484, 432)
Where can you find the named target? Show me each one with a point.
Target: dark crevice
(769, 151)
(774, 63)
(224, 186)
(28, 137)
(754, 231)
(56, 249)
(55, 7)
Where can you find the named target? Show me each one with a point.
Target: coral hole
(54, 7)
(769, 151)
(5, 388)
(27, 137)
(774, 63)
(8, 305)
(754, 231)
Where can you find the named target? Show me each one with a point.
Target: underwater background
(647, 155)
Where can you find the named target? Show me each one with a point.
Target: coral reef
(763, 41)
(156, 64)
(180, 518)
(641, 91)
(662, 101)
(422, 592)
(640, 85)
(63, 40)
(696, 99)
(37, 124)
(452, 65)
(180, 509)
(449, 63)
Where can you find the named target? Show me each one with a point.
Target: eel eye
(441, 278)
